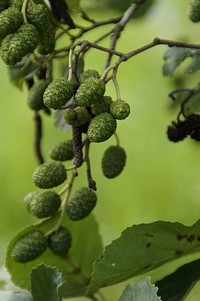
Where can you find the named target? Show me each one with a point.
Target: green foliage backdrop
(161, 180)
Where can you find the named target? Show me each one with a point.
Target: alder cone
(15, 46)
(29, 247)
(76, 116)
(28, 198)
(90, 91)
(88, 73)
(120, 109)
(49, 175)
(81, 203)
(58, 93)
(101, 127)
(35, 95)
(102, 106)
(62, 151)
(10, 20)
(113, 161)
(194, 11)
(44, 204)
(59, 242)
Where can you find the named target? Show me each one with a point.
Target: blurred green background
(161, 180)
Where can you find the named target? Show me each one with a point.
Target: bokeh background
(161, 180)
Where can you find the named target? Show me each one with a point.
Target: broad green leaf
(174, 56)
(17, 295)
(194, 66)
(141, 248)
(76, 269)
(45, 282)
(21, 70)
(176, 287)
(141, 291)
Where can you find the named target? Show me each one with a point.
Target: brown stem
(120, 26)
(91, 182)
(77, 146)
(38, 138)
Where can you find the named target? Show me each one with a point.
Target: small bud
(81, 203)
(49, 175)
(29, 247)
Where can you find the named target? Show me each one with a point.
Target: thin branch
(120, 26)
(91, 182)
(38, 138)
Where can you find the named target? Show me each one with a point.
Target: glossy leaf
(176, 287)
(141, 291)
(45, 282)
(174, 56)
(76, 268)
(141, 248)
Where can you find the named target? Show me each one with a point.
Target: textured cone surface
(81, 203)
(62, 151)
(113, 161)
(101, 127)
(88, 73)
(76, 116)
(29, 247)
(10, 20)
(47, 40)
(15, 46)
(44, 204)
(28, 198)
(58, 93)
(90, 91)
(102, 106)
(38, 15)
(60, 241)
(194, 11)
(35, 95)
(49, 175)
(120, 109)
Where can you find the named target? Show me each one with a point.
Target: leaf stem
(68, 188)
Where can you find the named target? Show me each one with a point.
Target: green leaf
(76, 269)
(17, 295)
(194, 66)
(141, 248)
(24, 69)
(45, 282)
(193, 105)
(176, 287)
(141, 291)
(174, 56)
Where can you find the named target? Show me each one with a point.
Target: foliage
(61, 256)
